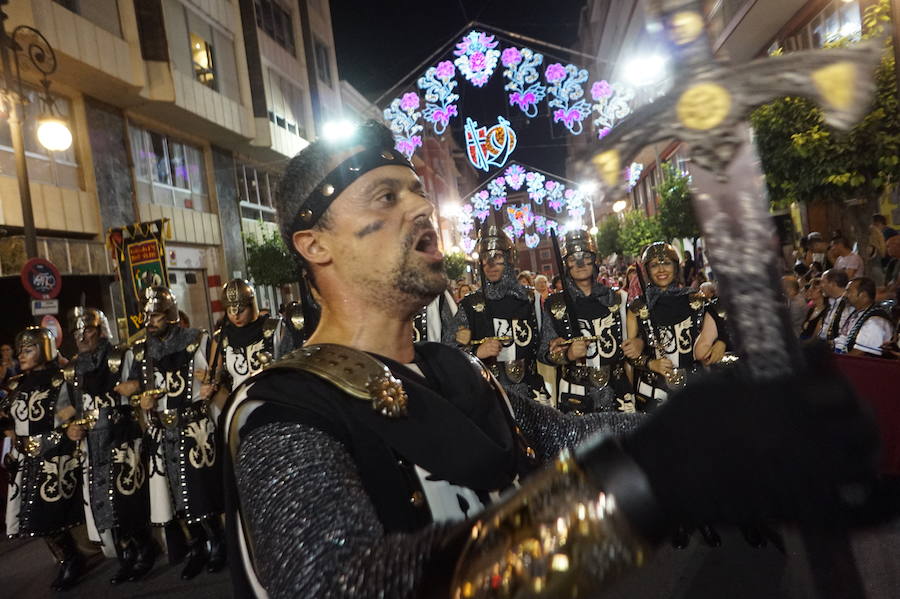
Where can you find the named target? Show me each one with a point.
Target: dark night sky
(379, 43)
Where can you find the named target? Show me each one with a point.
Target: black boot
(145, 554)
(197, 555)
(176, 545)
(217, 559)
(71, 563)
(710, 535)
(126, 553)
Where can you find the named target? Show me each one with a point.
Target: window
(276, 22)
(545, 254)
(286, 102)
(323, 62)
(167, 171)
(102, 13)
(55, 168)
(202, 60)
(256, 193)
(838, 19)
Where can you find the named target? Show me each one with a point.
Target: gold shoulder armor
(115, 358)
(68, 373)
(138, 349)
(193, 345)
(269, 326)
(556, 304)
(697, 300)
(353, 372)
(14, 381)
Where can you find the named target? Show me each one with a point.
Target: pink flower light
(555, 72)
(409, 101)
(600, 90)
(511, 56)
(445, 70)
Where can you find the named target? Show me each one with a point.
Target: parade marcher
(834, 283)
(868, 326)
(362, 462)
(592, 374)
(246, 342)
(184, 469)
(678, 332)
(44, 496)
(116, 495)
(430, 322)
(501, 322)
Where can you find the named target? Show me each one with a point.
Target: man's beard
(421, 282)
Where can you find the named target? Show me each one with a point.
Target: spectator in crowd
(845, 258)
(9, 367)
(689, 268)
(816, 250)
(815, 314)
(879, 222)
(891, 269)
(542, 287)
(796, 304)
(525, 278)
(868, 327)
(632, 283)
(462, 290)
(876, 254)
(834, 282)
(557, 283)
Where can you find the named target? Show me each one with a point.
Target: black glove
(799, 449)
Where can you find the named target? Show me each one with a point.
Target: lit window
(202, 58)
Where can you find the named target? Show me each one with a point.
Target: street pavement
(733, 571)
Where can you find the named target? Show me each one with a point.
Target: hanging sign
(140, 253)
(488, 147)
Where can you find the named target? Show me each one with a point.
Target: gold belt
(173, 417)
(31, 445)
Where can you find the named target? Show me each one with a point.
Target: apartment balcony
(70, 256)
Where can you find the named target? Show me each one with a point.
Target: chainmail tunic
(315, 530)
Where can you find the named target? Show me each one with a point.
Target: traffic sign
(41, 279)
(40, 307)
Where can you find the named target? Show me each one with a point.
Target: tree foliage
(455, 264)
(269, 261)
(637, 231)
(608, 237)
(676, 212)
(805, 160)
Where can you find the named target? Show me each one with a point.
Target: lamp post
(53, 132)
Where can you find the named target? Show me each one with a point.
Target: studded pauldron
(559, 536)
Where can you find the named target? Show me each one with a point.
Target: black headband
(339, 179)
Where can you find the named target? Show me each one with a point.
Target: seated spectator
(868, 327)
(815, 314)
(796, 304)
(845, 258)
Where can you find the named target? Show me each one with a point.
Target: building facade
(180, 109)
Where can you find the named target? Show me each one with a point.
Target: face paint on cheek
(370, 228)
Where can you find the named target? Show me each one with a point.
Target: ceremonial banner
(140, 254)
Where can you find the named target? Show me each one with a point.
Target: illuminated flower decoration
(515, 177)
(466, 224)
(612, 107)
(403, 119)
(535, 186)
(511, 57)
(555, 191)
(409, 101)
(468, 245)
(633, 174)
(482, 214)
(477, 57)
(567, 95)
(532, 240)
(497, 189)
(555, 72)
(524, 85)
(527, 215)
(438, 84)
(601, 89)
(498, 201)
(514, 214)
(540, 224)
(574, 203)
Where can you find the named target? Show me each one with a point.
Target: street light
(619, 206)
(645, 70)
(338, 130)
(53, 132)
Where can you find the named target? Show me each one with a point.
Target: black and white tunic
(44, 495)
(183, 465)
(116, 493)
(247, 350)
(600, 383)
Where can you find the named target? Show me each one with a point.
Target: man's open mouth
(428, 244)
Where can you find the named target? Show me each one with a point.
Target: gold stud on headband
(306, 214)
(387, 155)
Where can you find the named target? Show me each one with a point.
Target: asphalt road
(733, 571)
